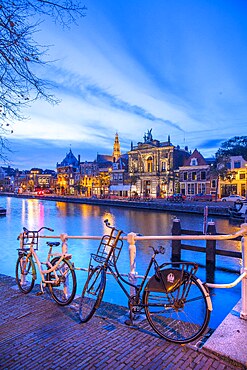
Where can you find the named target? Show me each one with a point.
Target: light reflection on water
(81, 219)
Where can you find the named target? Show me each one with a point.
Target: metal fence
(133, 237)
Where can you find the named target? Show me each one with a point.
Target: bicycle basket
(31, 238)
(109, 249)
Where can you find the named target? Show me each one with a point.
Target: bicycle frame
(52, 268)
(119, 279)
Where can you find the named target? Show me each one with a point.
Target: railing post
(132, 257)
(210, 253)
(176, 244)
(64, 239)
(243, 313)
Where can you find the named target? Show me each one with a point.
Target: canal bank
(36, 333)
(214, 208)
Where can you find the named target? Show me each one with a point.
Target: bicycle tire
(24, 273)
(64, 291)
(92, 293)
(178, 323)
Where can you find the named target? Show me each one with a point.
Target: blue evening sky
(176, 66)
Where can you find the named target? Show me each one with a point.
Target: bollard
(132, 257)
(243, 313)
(205, 220)
(176, 244)
(210, 253)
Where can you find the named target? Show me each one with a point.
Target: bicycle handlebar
(26, 231)
(107, 223)
(37, 231)
(160, 249)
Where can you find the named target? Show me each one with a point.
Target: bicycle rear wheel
(63, 291)
(24, 272)
(180, 316)
(92, 293)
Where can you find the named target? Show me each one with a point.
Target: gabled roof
(69, 160)
(197, 155)
(102, 158)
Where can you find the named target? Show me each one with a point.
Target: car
(233, 198)
(177, 197)
(202, 197)
(40, 192)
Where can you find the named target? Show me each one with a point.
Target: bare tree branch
(22, 58)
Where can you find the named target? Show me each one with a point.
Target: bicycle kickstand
(132, 316)
(41, 289)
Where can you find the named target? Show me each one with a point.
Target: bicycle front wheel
(63, 288)
(180, 316)
(24, 273)
(92, 293)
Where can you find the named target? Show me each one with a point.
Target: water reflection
(81, 219)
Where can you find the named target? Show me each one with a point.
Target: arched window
(150, 164)
(193, 162)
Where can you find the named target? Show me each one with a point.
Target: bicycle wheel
(180, 316)
(62, 291)
(25, 272)
(92, 293)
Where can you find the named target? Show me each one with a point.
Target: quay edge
(215, 209)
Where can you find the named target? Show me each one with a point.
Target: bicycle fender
(166, 280)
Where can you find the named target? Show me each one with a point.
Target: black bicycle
(176, 303)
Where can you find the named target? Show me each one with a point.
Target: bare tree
(21, 56)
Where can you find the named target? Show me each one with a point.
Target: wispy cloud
(185, 77)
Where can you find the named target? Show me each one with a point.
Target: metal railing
(133, 237)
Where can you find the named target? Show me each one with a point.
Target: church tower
(116, 149)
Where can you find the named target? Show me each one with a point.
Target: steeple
(116, 149)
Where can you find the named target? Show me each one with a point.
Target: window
(203, 175)
(228, 165)
(150, 164)
(185, 176)
(237, 164)
(193, 162)
(242, 176)
(213, 184)
(193, 176)
(191, 189)
(163, 166)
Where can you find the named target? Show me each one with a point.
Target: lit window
(193, 162)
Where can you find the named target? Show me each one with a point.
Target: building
(195, 176)
(236, 180)
(153, 166)
(68, 174)
(116, 149)
(120, 180)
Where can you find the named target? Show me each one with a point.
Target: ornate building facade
(153, 166)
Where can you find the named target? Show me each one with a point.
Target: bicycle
(176, 303)
(59, 275)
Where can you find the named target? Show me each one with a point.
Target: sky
(177, 67)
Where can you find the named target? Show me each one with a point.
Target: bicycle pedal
(39, 293)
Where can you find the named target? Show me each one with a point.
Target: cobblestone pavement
(36, 333)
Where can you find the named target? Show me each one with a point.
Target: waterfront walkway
(214, 208)
(36, 333)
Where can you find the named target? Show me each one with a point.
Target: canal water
(82, 219)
